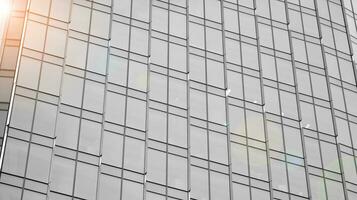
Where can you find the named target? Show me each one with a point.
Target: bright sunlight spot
(4, 13)
(4, 7)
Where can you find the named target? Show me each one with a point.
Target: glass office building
(178, 99)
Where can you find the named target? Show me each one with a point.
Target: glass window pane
(214, 39)
(157, 125)
(76, 53)
(159, 20)
(288, 104)
(199, 183)
(258, 194)
(285, 71)
(22, 113)
(258, 163)
(271, 100)
(255, 125)
(177, 131)
(293, 141)
(158, 52)
(115, 108)
(29, 72)
(9, 192)
(231, 20)
(233, 51)
(67, 131)
(134, 154)
(29, 195)
(109, 188)
(214, 9)
(268, 66)
(216, 109)
(86, 181)
(196, 8)
(197, 69)
(132, 190)
(136, 113)
(39, 163)
(138, 41)
(303, 80)
(15, 157)
(56, 41)
(281, 40)
(247, 24)
(177, 24)
(5, 88)
(198, 104)
(307, 115)
(198, 142)
(177, 57)
(252, 90)
(235, 85)
(97, 59)
(90, 137)
(279, 177)
(35, 35)
(218, 147)
(319, 86)
(310, 25)
(236, 120)
(241, 191)
(80, 18)
(158, 87)
(265, 35)
(239, 159)
(330, 158)
(297, 180)
(112, 149)
(152, 196)
(317, 187)
(275, 136)
(137, 76)
(140, 9)
(334, 189)
(278, 10)
(215, 73)
(177, 172)
(45, 119)
(60, 9)
(117, 70)
(123, 8)
(120, 35)
(324, 120)
(177, 92)
(62, 175)
(196, 32)
(93, 96)
(219, 186)
(156, 166)
(313, 152)
(50, 80)
(100, 24)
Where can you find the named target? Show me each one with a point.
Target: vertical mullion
(104, 100)
(147, 115)
(59, 99)
(82, 101)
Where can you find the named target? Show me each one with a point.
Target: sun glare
(4, 7)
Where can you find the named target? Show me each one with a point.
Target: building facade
(179, 99)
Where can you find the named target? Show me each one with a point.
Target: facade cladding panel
(179, 99)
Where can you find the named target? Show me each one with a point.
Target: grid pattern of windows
(11, 26)
(183, 99)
